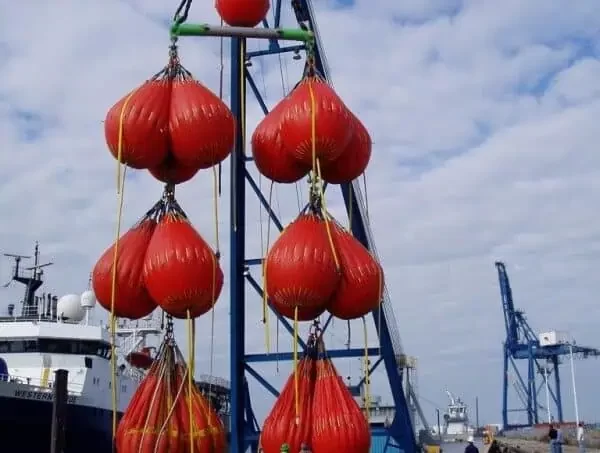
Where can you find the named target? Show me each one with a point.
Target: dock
(514, 445)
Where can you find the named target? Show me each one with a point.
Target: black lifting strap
(184, 6)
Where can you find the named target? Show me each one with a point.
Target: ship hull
(25, 426)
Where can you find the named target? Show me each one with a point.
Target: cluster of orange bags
(157, 419)
(161, 261)
(322, 413)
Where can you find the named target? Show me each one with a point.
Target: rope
(375, 258)
(221, 64)
(214, 293)
(221, 79)
(171, 409)
(367, 374)
(379, 306)
(211, 352)
(366, 197)
(296, 395)
(350, 208)
(190, 334)
(327, 218)
(264, 273)
(277, 337)
(113, 322)
(154, 395)
(216, 209)
(317, 171)
(313, 127)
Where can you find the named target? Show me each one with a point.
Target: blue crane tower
(245, 270)
(542, 353)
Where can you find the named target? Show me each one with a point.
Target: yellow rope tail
(313, 127)
(350, 198)
(171, 402)
(327, 219)
(216, 206)
(155, 395)
(380, 293)
(367, 375)
(212, 355)
(214, 287)
(296, 396)
(264, 274)
(317, 171)
(113, 321)
(190, 335)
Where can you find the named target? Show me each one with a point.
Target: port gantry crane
(244, 427)
(541, 351)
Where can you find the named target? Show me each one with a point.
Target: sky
(484, 119)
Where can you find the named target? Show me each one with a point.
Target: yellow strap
(216, 207)
(350, 202)
(367, 375)
(296, 396)
(190, 333)
(155, 395)
(113, 323)
(313, 126)
(172, 403)
(317, 181)
(214, 281)
(265, 307)
(380, 295)
(264, 275)
(327, 219)
(366, 197)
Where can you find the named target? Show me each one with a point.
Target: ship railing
(40, 385)
(214, 380)
(36, 319)
(138, 324)
(37, 313)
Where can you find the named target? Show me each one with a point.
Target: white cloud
(484, 119)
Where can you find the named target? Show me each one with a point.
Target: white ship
(456, 426)
(47, 333)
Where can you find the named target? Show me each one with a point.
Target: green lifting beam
(288, 34)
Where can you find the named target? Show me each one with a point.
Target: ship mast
(32, 280)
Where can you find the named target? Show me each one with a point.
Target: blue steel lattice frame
(522, 343)
(244, 429)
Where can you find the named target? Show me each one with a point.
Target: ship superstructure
(456, 426)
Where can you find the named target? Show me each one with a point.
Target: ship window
(88, 362)
(18, 346)
(57, 346)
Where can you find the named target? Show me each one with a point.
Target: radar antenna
(32, 279)
(17, 259)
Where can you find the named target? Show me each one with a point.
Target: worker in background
(581, 438)
(471, 448)
(552, 433)
(560, 440)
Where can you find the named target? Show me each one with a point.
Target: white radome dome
(69, 306)
(88, 299)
